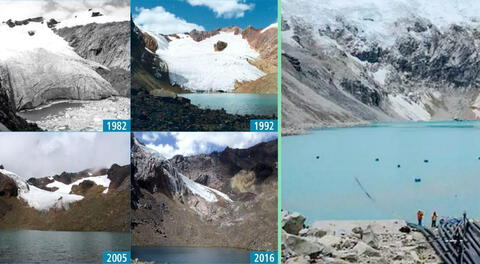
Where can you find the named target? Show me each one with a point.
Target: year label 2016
(263, 257)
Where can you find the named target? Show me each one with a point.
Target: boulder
(8, 186)
(293, 223)
(370, 238)
(316, 232)
(362, 249)
(298, 260)
(220, 45)
(304, 245)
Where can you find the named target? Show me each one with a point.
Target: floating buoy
(426, 161)
(418, 180)
(318, 157)
(377, 159)
(398, 166)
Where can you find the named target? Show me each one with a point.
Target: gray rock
(293, 223)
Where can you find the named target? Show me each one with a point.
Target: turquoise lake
(428, 166)
(233, 103)
(190, 255)
(59, 246)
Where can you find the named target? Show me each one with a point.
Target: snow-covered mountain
(86, 57)
(190, 57)
(40, 199)
(351, 62)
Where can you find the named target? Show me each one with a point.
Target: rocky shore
(178, 114)
(343, 242)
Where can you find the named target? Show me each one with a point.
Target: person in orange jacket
(434, 219)
(420, 217)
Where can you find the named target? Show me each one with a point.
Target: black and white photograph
(64, 65)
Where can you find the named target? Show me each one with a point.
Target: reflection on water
(190, 255)
(444, 156)
(53, 109)
(59, 246)
(233, 103)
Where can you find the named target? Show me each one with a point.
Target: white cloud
(225, 8)
(116, 10)
(192, 143)
(158, 20)
(46, 154)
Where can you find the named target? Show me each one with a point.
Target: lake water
(53, 109)
(56, 246)
(190, 255)
(428, 166)
(233, 103)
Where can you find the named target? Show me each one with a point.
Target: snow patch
(85, 17)
(40, 199)
(20, 42)
(67, 188)
(44, 200)
(408, 109)
(380, 75)
(207, 193)
(197, 67)
(274, 25)
(376, 19)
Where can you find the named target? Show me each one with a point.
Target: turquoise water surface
(428, 166)
(234, 103)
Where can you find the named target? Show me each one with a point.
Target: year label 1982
(116, 125)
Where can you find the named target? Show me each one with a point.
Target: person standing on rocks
(420, 217)
(434, 219)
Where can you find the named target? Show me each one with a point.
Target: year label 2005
(263, 257)
(116, 257)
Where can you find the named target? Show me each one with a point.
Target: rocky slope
(352, 242)
(9, 120)
(380, 63)
(90, 200)
(178, 202)
(107, 44)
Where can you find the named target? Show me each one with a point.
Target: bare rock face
(8, 187)
(150, 42)
(9, 120)
(119, 176)
(220, 45)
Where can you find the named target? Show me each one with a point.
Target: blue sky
(206, 14)
(170, 144)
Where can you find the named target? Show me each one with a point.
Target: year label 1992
(263, 125)
(116, 125)
(263, 257)
(116, 257)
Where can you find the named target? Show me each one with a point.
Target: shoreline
(353, 241)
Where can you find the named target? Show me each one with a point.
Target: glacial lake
(58, 246)
(426, 165)
(52, 109)
(234, 103)
(190, 255)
